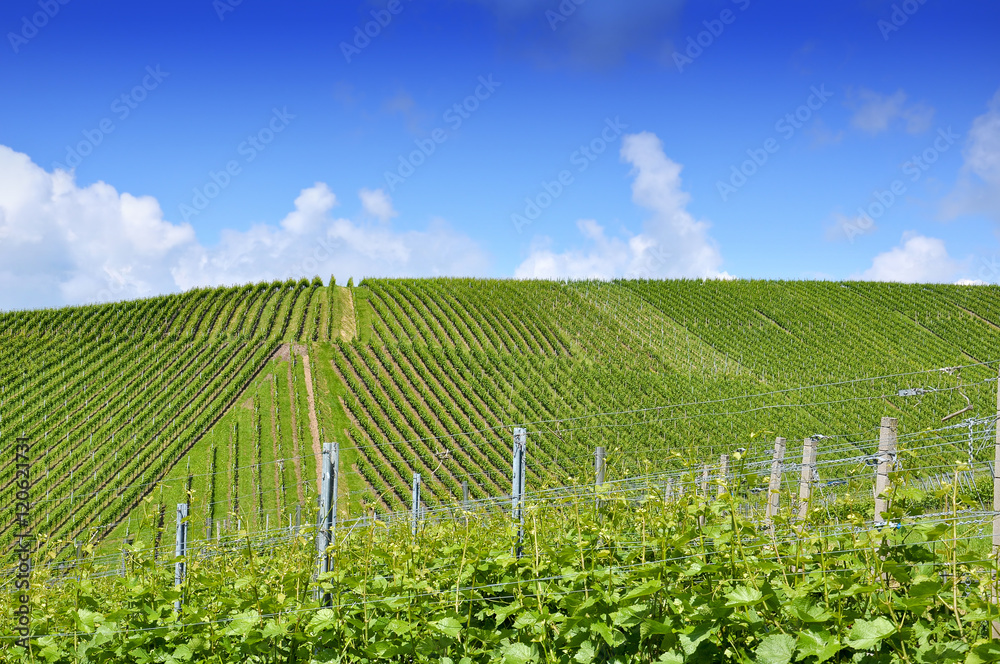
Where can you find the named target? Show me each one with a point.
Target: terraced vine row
(451, 356)
(112, 396)
(429, 375)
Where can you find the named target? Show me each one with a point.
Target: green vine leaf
(867, 634)
(818, 644)
(776, 649)
(743, 596)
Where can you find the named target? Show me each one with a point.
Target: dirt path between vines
(349, 318)
(975, 315)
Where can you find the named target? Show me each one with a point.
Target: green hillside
(222, 397)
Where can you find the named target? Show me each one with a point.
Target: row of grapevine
(458, 355)
(112, 395)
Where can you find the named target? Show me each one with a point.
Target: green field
(222, 399)
(204, 397)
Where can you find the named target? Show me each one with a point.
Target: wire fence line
(753, 467)
(761, 461)
(494, 443)
(837, 481)
(840, 472)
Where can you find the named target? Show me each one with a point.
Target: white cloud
(982, 152)
(60, 243)
(64, 244)
(602, 260)
(919, 259)
(377, 204)
(978, 188)
(319, 244)
(875, 112)
(671, 244)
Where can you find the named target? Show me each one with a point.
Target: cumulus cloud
(64, 244)
(918, 259)
(60, 243)
(982, 153)
(978, 188)
(672, 243)
(602, 260)
(875, 112)
(311, 241)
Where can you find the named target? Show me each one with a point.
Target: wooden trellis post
(723, 473)
(808, 474)
(886, 459)
(774, 486)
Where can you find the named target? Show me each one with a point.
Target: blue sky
(154, 147)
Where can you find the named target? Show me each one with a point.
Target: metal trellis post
(517, 485)
(465, 500)
(415, 504)
(180, 548)
(599, 457)
(327, 507)
(704, 492)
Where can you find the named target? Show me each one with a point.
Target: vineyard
(112, 397)
(223, 398)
